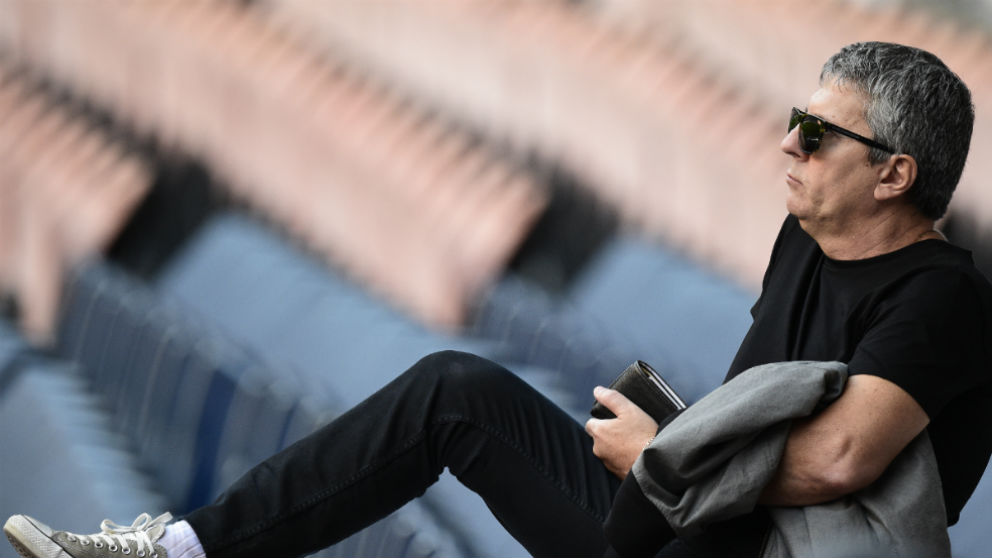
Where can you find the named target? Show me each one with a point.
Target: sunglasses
(811, 130)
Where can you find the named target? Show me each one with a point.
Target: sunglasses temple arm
(867, 141)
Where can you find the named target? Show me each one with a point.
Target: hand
(619, 441)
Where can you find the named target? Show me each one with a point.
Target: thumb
(612, 399)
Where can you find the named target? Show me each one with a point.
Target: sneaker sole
(15, 531)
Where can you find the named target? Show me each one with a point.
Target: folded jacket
(712, 462)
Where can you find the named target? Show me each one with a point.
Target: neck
(876, 237)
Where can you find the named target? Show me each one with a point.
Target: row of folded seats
(61, 457)
(172, 402)
(158, 395)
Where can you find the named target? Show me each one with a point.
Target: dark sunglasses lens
(810, 134)
(794, 119)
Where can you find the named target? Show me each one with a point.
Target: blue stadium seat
(531, 330)
(12, 349)
(292, 309)
(970, 536)
(61, 459)
(181, 391)
(684, 318)
(282, 304)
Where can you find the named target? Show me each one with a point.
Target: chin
(795, 208)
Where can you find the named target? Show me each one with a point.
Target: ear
(896, 177)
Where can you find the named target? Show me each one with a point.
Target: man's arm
(848, 445)
(837, 452)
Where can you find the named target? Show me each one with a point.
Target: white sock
(180, 541)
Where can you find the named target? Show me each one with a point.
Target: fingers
(599, 430)
(592, 425)
(612, 399)
(608, 398)
(601, 439)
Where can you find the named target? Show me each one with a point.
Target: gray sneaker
(33, 539)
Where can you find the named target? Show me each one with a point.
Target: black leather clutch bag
(647, 389)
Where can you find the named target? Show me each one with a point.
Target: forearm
(847, 446)
(794, 486)
(811, 469)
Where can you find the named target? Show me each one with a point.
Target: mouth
(792, 180)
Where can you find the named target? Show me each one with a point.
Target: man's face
(832, 188)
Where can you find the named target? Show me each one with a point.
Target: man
(858, 274)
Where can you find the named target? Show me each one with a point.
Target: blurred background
(223, 223)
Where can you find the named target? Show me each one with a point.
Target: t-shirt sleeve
(928, 338)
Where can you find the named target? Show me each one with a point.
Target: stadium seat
(531, 330)
(970, 536)
(62, 459)
(280, 302)
(186, 390)
(677, 314)
(306, 318)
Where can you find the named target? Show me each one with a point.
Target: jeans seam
(261, 527)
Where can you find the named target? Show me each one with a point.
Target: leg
(531, 463)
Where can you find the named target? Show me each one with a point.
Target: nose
(790, 144)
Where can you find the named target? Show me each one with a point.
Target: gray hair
(917, 106)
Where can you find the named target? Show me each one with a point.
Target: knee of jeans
(464, 373)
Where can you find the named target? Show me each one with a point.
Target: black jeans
(530, 461)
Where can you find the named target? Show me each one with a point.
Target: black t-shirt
(920, 317)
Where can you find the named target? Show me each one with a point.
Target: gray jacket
(712, 462)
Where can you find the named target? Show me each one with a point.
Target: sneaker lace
(140, 532)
